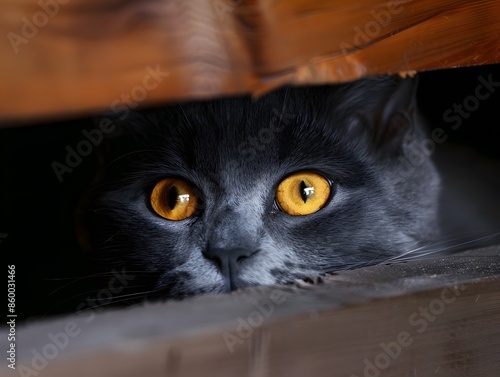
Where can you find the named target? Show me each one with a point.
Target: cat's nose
(228, 261)
(227, 256)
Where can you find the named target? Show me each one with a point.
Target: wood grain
(435, 317)
(86, 56)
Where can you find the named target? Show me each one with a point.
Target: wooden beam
(434, 317)
(61, 58)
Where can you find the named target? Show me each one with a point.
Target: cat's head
(211, 196)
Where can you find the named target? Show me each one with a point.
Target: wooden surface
(87, 56)
(444, 312)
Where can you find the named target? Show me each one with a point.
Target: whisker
(433, 250)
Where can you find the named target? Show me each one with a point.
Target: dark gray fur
(358, 135)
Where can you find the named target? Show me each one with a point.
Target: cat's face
(219, 195)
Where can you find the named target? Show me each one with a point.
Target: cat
(210, 196)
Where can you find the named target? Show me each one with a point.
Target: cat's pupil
(172, 197)
(305, 191)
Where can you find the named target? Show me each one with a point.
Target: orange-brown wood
(68, 58)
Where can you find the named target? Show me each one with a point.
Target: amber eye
(303, 193)
(174, 199)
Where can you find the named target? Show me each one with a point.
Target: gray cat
(212, 196)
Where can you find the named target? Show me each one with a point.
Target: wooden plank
(63, 58)
(434, 317)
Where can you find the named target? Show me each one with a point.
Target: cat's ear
(396, 118)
